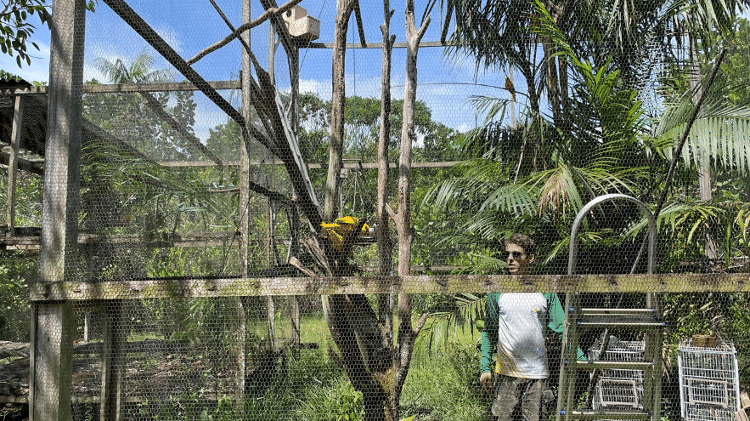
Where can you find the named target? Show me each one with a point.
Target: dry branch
(244, 27)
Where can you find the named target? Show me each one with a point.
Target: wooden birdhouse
(301, 25)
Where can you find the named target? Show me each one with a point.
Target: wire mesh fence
(214, 210)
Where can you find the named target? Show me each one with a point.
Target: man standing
(515, 322)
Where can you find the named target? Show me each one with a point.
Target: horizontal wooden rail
(433, 284)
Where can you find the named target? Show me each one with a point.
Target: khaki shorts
(510, 392)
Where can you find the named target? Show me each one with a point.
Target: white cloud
(38, 71)
(463, 128)
(321, 88)
(170, 36)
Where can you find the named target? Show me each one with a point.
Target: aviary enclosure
(245, 210)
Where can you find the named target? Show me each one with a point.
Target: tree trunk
(704, 173)
(365, 339)
(406, 333)
(354, 326)
(385, 245)
(344, 9)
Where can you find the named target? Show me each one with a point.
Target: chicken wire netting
(199, 231)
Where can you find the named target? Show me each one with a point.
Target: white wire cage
(619, 388)
(709, 381)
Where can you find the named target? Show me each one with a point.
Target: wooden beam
(137, 87)
(15, 142)
(374, 45)
(113, 362)
(360, 25)
(51, 360)
(425, 284)
(349, 165)
(34, 166)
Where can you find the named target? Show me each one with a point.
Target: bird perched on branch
(510, 88)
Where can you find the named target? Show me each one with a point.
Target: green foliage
(444, 386)
(337, 402)
(18, 269)
(28, 197)
(452, 319)
(15, 28)
(597, 152)
(734, 70)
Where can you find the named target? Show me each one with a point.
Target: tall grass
(443, 379)
(442, 382)
(309, 386)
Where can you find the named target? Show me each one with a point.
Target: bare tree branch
(360, 25)
(244, 27)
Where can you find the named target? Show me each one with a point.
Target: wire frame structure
(709, 381)
(619, 388)
(192, 204)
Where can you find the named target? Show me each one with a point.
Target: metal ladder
(578, 320)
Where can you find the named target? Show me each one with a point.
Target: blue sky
(190, 26)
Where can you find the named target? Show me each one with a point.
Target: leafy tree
(734, 70)
(15, 28)
(141, 116)
(602, 151)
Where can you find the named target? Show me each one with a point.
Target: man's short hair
(524, 241)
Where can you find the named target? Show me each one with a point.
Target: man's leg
(505, 395)
(531, 402)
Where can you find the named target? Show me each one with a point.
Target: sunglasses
(516, 255)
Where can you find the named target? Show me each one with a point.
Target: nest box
(301, 25)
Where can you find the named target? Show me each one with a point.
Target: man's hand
(485, 381)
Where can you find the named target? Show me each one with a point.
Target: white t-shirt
(521, 351)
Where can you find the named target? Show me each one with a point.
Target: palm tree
(600, 151)
(597, 139)
(139, 71)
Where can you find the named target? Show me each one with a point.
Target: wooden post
(293, 214)
(113, 362)
(15, 141)
(53, 326)
(51, 361)
(244, 199)
(271, 248)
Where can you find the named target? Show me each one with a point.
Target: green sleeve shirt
(555, 321)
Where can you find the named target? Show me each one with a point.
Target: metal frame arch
(573, 251)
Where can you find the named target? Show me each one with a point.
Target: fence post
(53, 327)
(113, 362)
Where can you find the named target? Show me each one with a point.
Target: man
(515, 322)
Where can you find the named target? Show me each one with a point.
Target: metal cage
(709, 381)
(619, 388)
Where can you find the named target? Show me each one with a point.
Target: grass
(442, 381)
(441, 384)
(443, 378)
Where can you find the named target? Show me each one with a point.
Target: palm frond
(466, 309)
(560, 193)
(493, 107)
(720, 132)
(517, 199)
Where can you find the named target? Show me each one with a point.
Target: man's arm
(556, 317)
(489, 333)
(489, 341)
